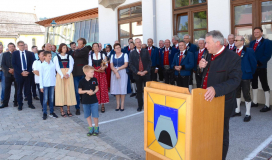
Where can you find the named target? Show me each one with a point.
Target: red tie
(141, 67)
(180, 57)
(255, 45)
(237, 51)
(231, 48)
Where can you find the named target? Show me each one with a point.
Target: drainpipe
(154, 23)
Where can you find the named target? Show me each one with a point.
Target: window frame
(188, 10)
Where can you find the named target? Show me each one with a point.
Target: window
(243, 19)
(190, 18)
(130, 23)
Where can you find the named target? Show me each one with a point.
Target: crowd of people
(62, 75)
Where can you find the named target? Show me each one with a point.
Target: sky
(48, 8)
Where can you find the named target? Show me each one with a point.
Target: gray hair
(201, 39)
(176, 38)
(161, 41)
(217, 36)
(187, 35)
(231, 35)
(150, 39)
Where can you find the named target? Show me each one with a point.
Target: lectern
(179, 125)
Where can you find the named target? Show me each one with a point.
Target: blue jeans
(48, 93)
(2, 76)
(76, 82)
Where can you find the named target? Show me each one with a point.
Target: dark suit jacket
(155, 57)
(248, 63)
(17, 65)
(196, 57)
(6, 63)
(263, 52)
(224, 76)
(172, 52)
(187, 63)
(81, 58)
(134, 63)
(234, 48)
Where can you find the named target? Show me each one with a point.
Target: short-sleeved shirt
(87, 85)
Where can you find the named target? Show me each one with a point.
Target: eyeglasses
(237, 40)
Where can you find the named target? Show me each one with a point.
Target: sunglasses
(237, 40)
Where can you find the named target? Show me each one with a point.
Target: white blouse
(95, 58)
(71, 64)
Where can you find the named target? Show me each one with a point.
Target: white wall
(108, 23)
(219, 16)
(164, 20)
(148, 25)
(28, 40)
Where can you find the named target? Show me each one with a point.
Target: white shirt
(166, 49)
(108, 54)
(220, 50)
(47, 74)
(201, 50)
(125, 57)
(149, 48)
(231, 46)
(187, 44)
(95, 58)
(36, 67)
(22, 59)
(257, 41)
(177, 45)
(71, 64)
(240, 49)
(182, 52)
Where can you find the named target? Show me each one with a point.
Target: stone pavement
(24, 135)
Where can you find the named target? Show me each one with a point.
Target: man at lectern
(221, 76)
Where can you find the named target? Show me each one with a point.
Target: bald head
(48, 47)
(231, 39)
(167, 43)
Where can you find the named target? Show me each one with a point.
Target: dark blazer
(196, 57)
(70, 52)
(6, 63)
(17, 65)
(155, 57)
(175, 46)
(81, 58)
(187, 63)
(191, 48)
(224, 76)
(134, 63)
(234, 48)
(263, 52)
(172, 52)
(248, 63)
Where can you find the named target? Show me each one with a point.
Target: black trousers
(191, 78)
(40, 94)
(153, 75)
(225, 138)
(8, 83)
(169, 76)
(24, 82)
(262, 74)
(32, 85)
(183, 81)
(160, 72)
(198, 78)
(140, 82)
(245, 87)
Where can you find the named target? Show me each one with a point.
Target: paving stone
(71, 148)
(259, 158)
(50, 145)
(15, 156)
(73, 154)
(264, 155)
(3, 151)
(37, 148)
(108, 156)
(80, 149)
(90, 151)
(31, 143)
(60, 146)
(21, 142)
(29, 157)
(40, 144)
(27, 152)
(13, 151)
(4, 156)
(2, 142)
(52, 150)
(10, 142)
(16, 147)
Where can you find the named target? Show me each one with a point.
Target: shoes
(15, 104)
(31, 106)
(118, 108)
(3, 106)
(96, 131)
(133, 94)
(122, 110)
(36, 98)
(77, 111)
(265, 109)
(236, 114)
(139, 109)
(2, 102)
(20, 108)
(91, 131)
(44, 116)
(25, 99)
(247, 118)
(254, 105)
(53, 115)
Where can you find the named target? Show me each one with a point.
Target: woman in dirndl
(64, 89)
(96, 59)
(119, 77)
(108, 70)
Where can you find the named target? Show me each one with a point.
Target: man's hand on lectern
(209, 95)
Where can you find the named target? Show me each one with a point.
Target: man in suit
(140, 65)
(127, 49)
(2, 76)
(248, 67)
(221, 76)
(191, 48)
(175, 41)
(154, 55)
(202, 52)
(263, 49)
(166, 58)
(183, 63)
(8, 71)
(22, 61)
(231, 45)
(161, 46)
(73, 48)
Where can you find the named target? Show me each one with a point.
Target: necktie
(255, 45)
(24, 61)
(237, 50)
(141, 67)
(180, 57)
(231, 48)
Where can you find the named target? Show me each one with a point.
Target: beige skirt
(64, 90)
